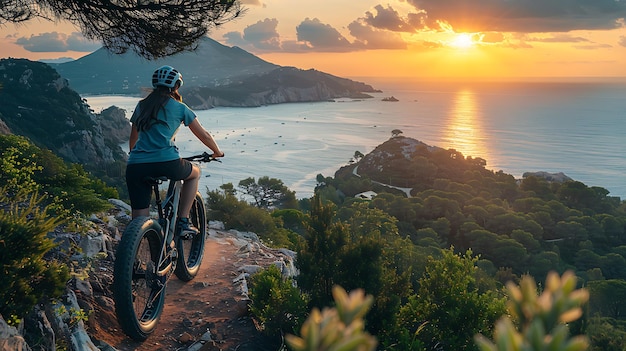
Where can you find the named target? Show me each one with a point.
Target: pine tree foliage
(152, 28)
(319, 261)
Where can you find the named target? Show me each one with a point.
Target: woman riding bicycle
(153, 152)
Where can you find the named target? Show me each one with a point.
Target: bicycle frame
(168, 226)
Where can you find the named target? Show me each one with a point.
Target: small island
(391, 98)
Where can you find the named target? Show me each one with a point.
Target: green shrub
(26, 276)
(26, 167)
(276, 302)
(449, 307)
(606, 334)
(240, 215)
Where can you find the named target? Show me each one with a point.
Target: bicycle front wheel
(191, 249)
(138, 292)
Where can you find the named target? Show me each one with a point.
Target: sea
(574, 126)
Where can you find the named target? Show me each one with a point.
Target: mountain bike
(150, 251)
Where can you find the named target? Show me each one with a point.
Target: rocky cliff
(39, 104)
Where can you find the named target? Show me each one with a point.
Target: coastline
(296, 141)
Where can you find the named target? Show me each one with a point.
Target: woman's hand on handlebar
(218, 154)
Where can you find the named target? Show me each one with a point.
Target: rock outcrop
(559, 177)
(114, 125)
(71, 319)
(4, 129)
(42, 107)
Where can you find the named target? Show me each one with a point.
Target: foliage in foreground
(338, 329)
(542, 319)
(24, 226)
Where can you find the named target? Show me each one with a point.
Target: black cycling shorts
(139, 190)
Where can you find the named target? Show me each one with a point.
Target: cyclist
(153, 151)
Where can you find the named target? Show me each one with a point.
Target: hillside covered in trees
(436, 261)
(520, 226)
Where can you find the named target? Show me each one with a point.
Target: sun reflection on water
(463, 130)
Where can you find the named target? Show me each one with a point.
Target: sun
(463, 41)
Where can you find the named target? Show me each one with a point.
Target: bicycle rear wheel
(191, 249)
(138, 292)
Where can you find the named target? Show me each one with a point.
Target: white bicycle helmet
(166, 76)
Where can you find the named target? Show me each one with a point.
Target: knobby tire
(191, 250)
(138, 293)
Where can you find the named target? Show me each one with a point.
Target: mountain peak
(102, 72)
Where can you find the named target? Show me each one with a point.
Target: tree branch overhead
(153, 29)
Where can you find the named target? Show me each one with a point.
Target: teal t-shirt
(157, 144)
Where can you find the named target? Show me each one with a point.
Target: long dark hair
(150, 106)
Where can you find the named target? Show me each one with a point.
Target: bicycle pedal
(187, 235)
(186, 230)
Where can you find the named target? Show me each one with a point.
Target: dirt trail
(211, 302)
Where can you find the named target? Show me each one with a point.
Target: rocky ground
(208, 313)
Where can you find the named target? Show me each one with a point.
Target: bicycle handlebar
(204, 157)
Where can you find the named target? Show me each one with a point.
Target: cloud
(560, 38)
(492, 37)
(235, 39)
(57, 42)
(263, 35)
(252, 2)
(295, 46)
(260, 36)
(77, 42)
(622, 41)
(593, 46)
(427, 44)
(321, 37)
(527, 16)
(312, 35)
(379, 28)
(581, 43)
(418, 20)
(517, 45)
(372, 38)
(387, 18)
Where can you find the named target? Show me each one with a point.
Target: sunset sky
(400, 38)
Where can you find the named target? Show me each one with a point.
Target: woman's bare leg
(188, 192)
